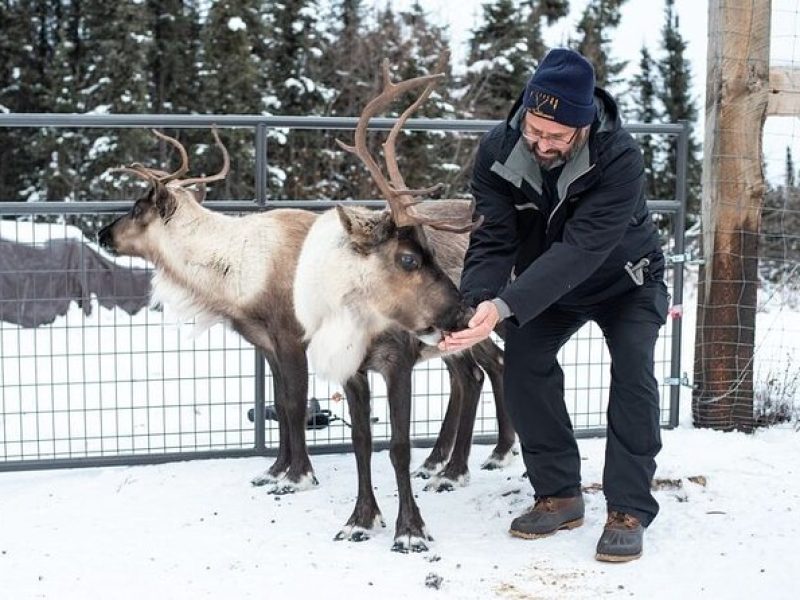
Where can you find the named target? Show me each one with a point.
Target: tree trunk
(733, 191)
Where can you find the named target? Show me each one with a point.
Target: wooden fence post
(737, 90)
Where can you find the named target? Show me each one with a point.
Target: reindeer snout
(457, 317)
(105, 239)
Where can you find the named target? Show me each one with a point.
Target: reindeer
(390, 291)
(213, 267)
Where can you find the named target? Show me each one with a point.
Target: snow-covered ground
(199, 530)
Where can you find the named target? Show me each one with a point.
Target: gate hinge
(685, 258)
(682, 380)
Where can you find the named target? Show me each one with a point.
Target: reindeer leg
(469, 379)
(441, 450)
(410, 533)
(290, 372)
(490, 358)
(366, 514)
(278, 469)
(295, 373)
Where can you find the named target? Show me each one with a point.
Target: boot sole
(536, 536)
(616, 558)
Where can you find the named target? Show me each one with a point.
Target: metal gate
(104, 386)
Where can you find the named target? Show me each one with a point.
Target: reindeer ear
(345, 218)
(366, 229)
(200, 193)
(164, 201)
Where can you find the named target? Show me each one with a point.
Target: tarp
(38, 282)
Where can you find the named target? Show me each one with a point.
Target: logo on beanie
(542, 104)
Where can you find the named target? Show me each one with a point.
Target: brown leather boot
(622, 538)
(547, 516)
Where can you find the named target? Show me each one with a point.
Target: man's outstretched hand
(481, 325)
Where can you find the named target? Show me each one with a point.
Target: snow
(200, 530)
(236, 24)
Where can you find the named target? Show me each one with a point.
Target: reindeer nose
(456, 317)
(104, 238)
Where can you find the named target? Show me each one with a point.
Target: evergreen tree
(644, 88)
(675, 74)
(499, 61)
(294, 61)
(26, 48)
(598, 19)
(100, 63)
(348, 69)
(423, 156)
(550, 11)
(174, 53)
(233, 81)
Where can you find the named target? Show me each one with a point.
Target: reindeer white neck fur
(209, 264)
(331, 288)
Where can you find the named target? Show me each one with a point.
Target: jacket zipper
(560, 202)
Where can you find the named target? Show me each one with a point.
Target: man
(567, 238)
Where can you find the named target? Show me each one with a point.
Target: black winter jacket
(533, 251)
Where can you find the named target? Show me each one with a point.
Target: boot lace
(544, 504)
(622, 519)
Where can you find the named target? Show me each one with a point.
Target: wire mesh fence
(96, 376)
(777, 370)
(746, 373)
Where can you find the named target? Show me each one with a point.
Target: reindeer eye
(408, 262)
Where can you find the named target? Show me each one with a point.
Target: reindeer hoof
(287, 486)
(411, 543)
(429, 469)
(498, 460)
(446, 484)
(359, 533)
(440, 486)
(266, 478)
(352, 534)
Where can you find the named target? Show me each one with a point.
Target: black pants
(534, 384)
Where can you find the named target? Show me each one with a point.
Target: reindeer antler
(399, 197)
(159, 176)
(226, 164)
(184, 168)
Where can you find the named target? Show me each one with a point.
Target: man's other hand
(481, 325)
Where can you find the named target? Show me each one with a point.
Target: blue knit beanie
(562, 89)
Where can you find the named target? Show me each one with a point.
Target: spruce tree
(499, 61)
(548, 10)
(598, 19)
(101, 62)
(26, 49)
(15, 25)
(348, 68)
(173, 78)
(233, 81)
(644, 87)
(425, 158)
(293, 63)
(675, 73)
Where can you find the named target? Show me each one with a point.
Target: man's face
(552, 143)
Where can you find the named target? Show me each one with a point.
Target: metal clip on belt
(636, 271)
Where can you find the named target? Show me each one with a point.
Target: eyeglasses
(534, 135)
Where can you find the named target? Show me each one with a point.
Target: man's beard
(555, 158)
